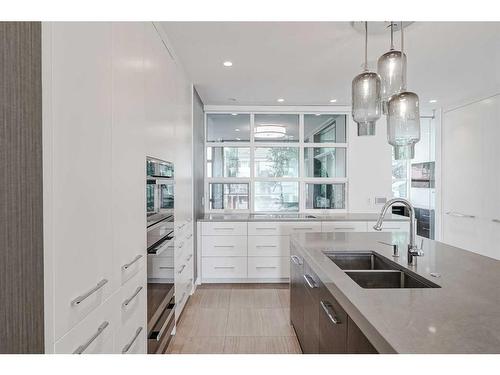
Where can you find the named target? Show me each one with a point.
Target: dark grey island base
(458, 311)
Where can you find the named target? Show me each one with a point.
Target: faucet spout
(413, 250)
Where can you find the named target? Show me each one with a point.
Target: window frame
(302, 180)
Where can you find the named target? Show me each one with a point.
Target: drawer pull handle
(128, 300)
(224, 267)
(223, 246)
(223, 228)
(127, 347)
(127, 266)
(458, 214)
(189, 257)
(83, 347)
(188, 237)
(182, 298)
(266, 267)
(265, 228)
(296, 260)
(310, 282)
(83, 297)
(346, 228)
(496, 220)
(302, 228)
(266, 246)
(328, 309)
(181, 244)
(182, 269)
(166, 268)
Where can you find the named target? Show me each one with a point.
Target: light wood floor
(236, 319)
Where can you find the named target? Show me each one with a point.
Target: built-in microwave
(159, 189)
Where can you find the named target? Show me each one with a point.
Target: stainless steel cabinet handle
(166, 268)
(128, 300)
(182, 269)
(346, 228)
(458, 214)
(265, 228)
(127, 347)
(266, 267)
(83, 347)
(223, 228)
(310, 281)
(496, 220)
(127, 266)
(302, 228)
(296, 260)
(189, 257)
(181, 244)
(223, 246)
(180, 300)
(83, 297)
(188, 237)
(224, 267)
(266, 246)
(328, 309)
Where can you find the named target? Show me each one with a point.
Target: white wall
(370, 168)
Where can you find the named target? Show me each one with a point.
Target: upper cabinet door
(81, 194)
(128, 149)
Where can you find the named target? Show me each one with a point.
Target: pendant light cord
(366, 46)
(392, 35)
(403, 88)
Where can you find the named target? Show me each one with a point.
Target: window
(271, 196)
(320, 128)
(325, 196)
(230, 127)
(228, 162)
(276, 162)
(228, 196)
(325, 162)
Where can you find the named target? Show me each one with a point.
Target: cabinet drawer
(344, 226)
(94, 334)
(161, 268)
(264, 228)
(224, 267)
(390, 226)
(224, 229)
(224, 246)
(131, 335)
(300, 227)
(268, 267)
(131, 266)
(268, 246)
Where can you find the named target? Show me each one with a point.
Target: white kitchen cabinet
(224, 228)
(269, 268)
(81, 154)
(216, 268)
(269, 246)
(224, 246)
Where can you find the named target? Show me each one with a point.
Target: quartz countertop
(300, 217)
(463, 316)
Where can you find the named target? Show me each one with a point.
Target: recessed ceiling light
(318, 114)
(236, 130)
(281, 100)
(432, 101)
(227, 63)
(234, 114)
(333, 100)
(238, 139)
(232, 99)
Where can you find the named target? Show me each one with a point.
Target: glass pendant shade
(366, 101)
(391, 67)
(403, 124)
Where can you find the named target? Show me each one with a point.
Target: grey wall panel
(21, 228)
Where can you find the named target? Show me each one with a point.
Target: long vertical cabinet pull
(296, 260)
(83, 347)
(310, 282)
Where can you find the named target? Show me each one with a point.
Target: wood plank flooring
(236, 319)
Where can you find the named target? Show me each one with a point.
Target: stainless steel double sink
(370, 270)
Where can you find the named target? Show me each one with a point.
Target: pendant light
(403, 120)
(391, 67)
(366, 99)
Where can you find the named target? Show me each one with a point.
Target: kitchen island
(458, 313)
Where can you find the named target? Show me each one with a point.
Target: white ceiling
(308, 63)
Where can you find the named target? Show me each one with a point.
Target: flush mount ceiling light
(366, 97)
(433, 101)
(403, 120)
(227, 63)
(280, 100)
(391, 67)
(333, 100)
(270, 131)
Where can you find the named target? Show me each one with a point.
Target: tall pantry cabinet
(107, 103)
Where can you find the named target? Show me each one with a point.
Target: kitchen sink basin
(371, 270)
(360, 261)
(389, 280)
